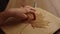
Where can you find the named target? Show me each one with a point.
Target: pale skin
(18, 13)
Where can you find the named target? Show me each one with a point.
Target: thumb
(21, 17)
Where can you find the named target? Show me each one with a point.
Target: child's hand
(21, 13)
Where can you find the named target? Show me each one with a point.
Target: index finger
(31, 8)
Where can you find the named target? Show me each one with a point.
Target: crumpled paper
(40, 22)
